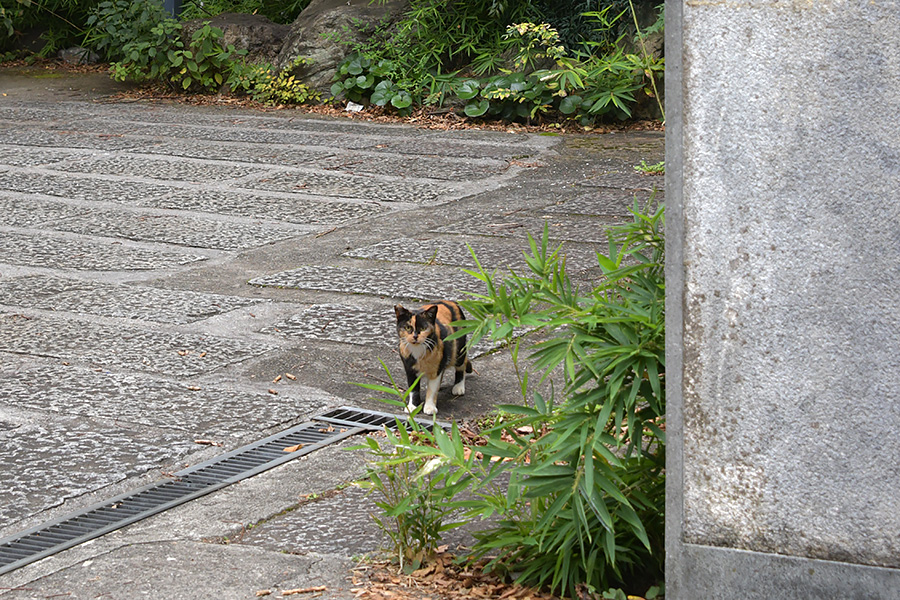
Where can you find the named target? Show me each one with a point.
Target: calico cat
(424, 349)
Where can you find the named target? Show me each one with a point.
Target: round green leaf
(401, 100)
(380, 97)
(365, 81)
(477, 108)
(570, 104)
(468, 89)
(337, 88)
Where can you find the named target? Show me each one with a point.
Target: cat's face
(415, 327)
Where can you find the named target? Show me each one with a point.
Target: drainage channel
(65, 532)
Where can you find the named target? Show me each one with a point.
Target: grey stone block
(82, 188)
(425, 284)
(121, 301)
(85, 254)
(77, 341)
(350, 186)
(66, 456)
(135, 166)
(288, 208)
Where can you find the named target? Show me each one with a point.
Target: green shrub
(586, 495)
(201, 66)
(113, 24)
(281, 87)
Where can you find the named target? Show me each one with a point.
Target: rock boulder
(260, 37)
(307, 36)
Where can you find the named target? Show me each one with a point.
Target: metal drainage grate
(49, 538)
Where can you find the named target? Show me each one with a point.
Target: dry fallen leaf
(208, 442)
(277, 379)
(263, 593)
(273, 392)
(293, 448)
(194, 388)
(291, 377)
(308, 590)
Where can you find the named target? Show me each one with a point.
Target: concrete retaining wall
(783, 374)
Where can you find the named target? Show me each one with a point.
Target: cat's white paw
(429, 409)
(410, 407)
(459, 389)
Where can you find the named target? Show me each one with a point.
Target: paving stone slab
(560, 227)
(625, 179)
(339, 523)
(514, 149)
(269, 154)
(425, 284)
(140, 166)
(298, 209)
(111, 300)
(181, 230)
(63, 138)
(196, 232)
(19, 210)
(67, 456)
(339, 323)
(199, 412)
(350, 325)
(188, 570)
(40, 250)
(82, 187)
(433, 167)
(24, 156)
(442, 251)
(604, 202)
(351, 186)
(121, 347)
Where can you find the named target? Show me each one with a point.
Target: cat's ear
(402, 313)
(431, 313)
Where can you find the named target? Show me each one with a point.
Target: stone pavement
(161, 265)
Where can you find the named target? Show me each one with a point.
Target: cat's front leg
(412, 381)
(431, 391)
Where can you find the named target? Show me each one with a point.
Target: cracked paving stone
(215, 413)
(122, 301)
(454, 252)
(351, 186)
(121, 347)
(138, 166)
(67, 456)
(425, 284)
(339, 523)
(85, 254)
(297, 209)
